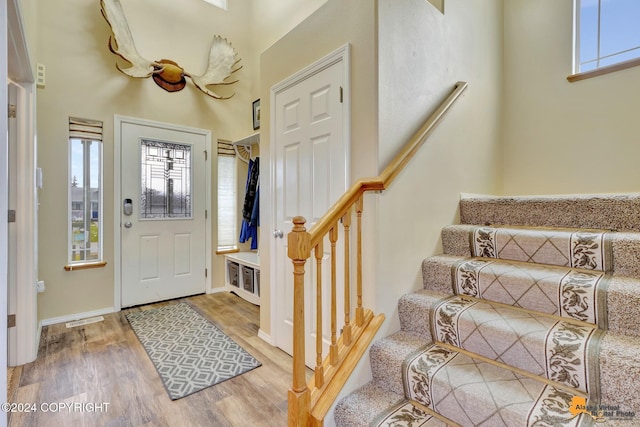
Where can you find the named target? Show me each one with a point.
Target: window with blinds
(227, 197)
(85, 191)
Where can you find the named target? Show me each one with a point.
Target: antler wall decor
(166, 73)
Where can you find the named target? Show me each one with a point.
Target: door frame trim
(118, 121)
(342, 54)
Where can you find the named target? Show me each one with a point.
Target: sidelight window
(85, 191)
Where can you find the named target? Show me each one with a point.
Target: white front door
(310, 166)
(162, 212)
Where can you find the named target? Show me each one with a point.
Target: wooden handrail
(309, 403)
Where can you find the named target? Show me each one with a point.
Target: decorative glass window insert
(227, 197)
(165, 171)
(85, 191)
(606, 33)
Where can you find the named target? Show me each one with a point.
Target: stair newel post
(359, 309)
(299, 251)
(333, 348)
(346, 331)
(319, 371)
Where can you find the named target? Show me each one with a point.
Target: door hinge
(206, 272)
(11, 320)
(341, 95)
(206, 155)
(12, 215)
(12, 110)
(206, 214)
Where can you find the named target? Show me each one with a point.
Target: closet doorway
(310, 146)
(162, 200)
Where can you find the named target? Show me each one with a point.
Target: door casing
(117, 140)
(341, 54)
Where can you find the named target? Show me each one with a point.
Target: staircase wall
(421, 55)
(561, 137)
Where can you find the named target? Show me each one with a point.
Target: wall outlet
(40, 286)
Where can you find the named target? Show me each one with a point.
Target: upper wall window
(222, 4)
(85, 191)
(606, 33)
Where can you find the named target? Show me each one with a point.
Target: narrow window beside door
(227, 197)
(85, 191)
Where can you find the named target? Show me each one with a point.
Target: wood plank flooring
(105, 363)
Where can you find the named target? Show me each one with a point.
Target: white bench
(242, 275)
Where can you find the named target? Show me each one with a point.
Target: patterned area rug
(188, 351)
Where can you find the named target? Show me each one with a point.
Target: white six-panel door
(310, 167)
(162, 212)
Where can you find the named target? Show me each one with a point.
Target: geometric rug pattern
(189, 352)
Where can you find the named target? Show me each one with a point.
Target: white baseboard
(265, 337)
(216, 290)
(77, 316)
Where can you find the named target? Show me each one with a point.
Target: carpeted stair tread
(567, 292)
(588, 249)
(621, 299)
(533, 342)
(625, 247)
(610, 211)
(472, 392)
(387, 356)
(414, 311)
(363, 406)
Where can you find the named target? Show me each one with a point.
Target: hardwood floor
(105, 363)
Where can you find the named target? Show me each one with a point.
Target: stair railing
(309, 403)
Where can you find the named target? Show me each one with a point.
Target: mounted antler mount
(166, 73)
(169, 75)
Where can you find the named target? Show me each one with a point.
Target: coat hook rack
(243, 146)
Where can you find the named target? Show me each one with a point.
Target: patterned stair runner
(572, 293)
(469, 392)
(576, 249)
(560, 351)
(517, 343)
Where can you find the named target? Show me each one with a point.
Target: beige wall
(82, 81)
(562, 137)
(423, 53)
(336, 23)
(270, 20)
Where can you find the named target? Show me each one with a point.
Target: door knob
(127, 224)
(278, 234)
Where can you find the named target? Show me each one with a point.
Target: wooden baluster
(319, 372)
(359, 309)
(299, 396)
(333, 349)
(346, 331)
